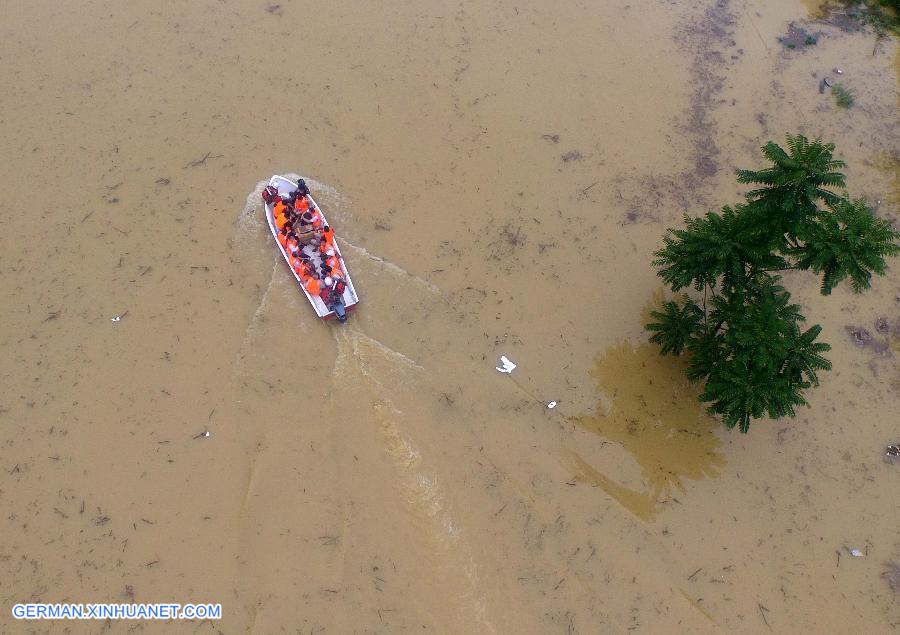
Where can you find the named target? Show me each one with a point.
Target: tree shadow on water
(648, 406)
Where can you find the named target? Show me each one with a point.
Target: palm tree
(743, 336)
(795, 182)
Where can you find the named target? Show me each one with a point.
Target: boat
(349, 298)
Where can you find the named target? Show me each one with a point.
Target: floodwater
(499, 173)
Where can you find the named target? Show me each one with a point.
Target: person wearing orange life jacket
(327, 237)
(296, 263)
(300, 196)
(327, 251)
(335, 263)
(318, 220)
(292, 245)
(283, 234)
(314, 285)
(304, 268)
(279, 212)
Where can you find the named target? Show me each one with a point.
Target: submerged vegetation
(843, 96)
(743, 336)
(882, 15)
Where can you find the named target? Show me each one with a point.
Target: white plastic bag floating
(508, 366)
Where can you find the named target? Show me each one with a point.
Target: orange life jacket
(282, 238)
(328, 234)
(314, 286)
(301, 204)
(280, 214)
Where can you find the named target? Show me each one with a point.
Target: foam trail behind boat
(389, 266)
(380, 366)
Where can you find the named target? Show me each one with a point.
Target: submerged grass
(881, 15)
(844, 97)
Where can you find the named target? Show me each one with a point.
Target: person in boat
(314, 285)
(280, 213)
(317, 220)
(333, 292)
(292, 244)
(327, 295)
(307, 230)
(295, 262)
(284, 233)
(301, 201)
(327, 238)
(333, 263)
(300, 264)
(301, 204)
(328, 252)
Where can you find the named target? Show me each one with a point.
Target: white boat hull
(351, 299)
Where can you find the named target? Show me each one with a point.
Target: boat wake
(379, 364)
(249, 221)
(355, 347)
(253, 325)
(389, 266)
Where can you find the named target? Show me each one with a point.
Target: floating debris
(859, 335)
(891, 573)
(508, 366)
(119, 317)
(551, 405)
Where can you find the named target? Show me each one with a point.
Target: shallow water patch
(647, 406)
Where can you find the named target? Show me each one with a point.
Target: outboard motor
(340, 311)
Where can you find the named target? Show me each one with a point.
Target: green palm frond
(675, 325)
(848, 240)
(796, 180)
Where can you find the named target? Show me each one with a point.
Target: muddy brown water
(500, 174)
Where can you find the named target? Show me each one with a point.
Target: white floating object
(508, 366)
(206, 434)
(551, 405)
(856, 553)
(115, 319)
